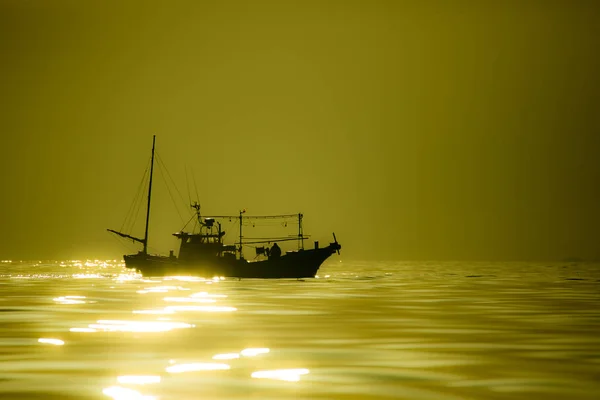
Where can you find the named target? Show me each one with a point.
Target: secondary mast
(241, 251)
(145, 251)
(300, 232)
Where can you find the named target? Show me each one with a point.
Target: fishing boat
(205, 253)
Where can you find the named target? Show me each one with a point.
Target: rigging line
(139, 207)
(136, 211)
(195, 187)
(162, 175)
(246, 217)
(153, 250)
(164, 166)
(272, 238)
(187, 183)
(269, 241)
(271, 223)
(231, 227)
(122, 242)
(163, 169)
(133, 202)
(187, 223)
(285, 224)
(140, 200)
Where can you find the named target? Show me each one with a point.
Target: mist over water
(402, 330)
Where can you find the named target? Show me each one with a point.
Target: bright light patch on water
(56, 342)
(226, 356)
(184, 278)
(88, 330)
(152, 291)
(206, 294)
(289, 375)
(160, 289)
(138, 326)
(127, 277)
(70, 299)
(121, 393)
(157, 312)
(251, 352)
(138, 379)
(178, 368)
(87, 276)
(201, 308)
(189, 300)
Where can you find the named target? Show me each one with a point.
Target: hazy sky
(414, 130)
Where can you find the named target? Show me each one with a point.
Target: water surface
(362, 330)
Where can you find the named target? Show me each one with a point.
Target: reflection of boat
(205, 254)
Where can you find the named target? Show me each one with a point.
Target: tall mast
(149, 196)
(241, 254)
(300, 233)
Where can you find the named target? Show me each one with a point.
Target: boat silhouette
(205, 253)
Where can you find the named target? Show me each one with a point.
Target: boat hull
(297, 264)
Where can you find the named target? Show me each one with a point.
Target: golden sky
(414, 130)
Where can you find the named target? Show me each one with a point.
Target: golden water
(362, 330)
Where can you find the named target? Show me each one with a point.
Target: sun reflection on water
(226, 356)
(157, 312)
(127, 277)
(70, 300)
(178, 368)
(56, 342)
(201, 308)
(138, 379)
(189, 300)
(121, 393)
(87, 276)
(160, 289)
(289, 375)
(132, 326)
(206, 294)
(157, 290)
(184, 278)
(200, 297)
(82, 330)
(251, 352)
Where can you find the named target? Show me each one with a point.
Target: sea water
(361, 330)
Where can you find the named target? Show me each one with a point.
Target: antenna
(195, 187)
(187, 183)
